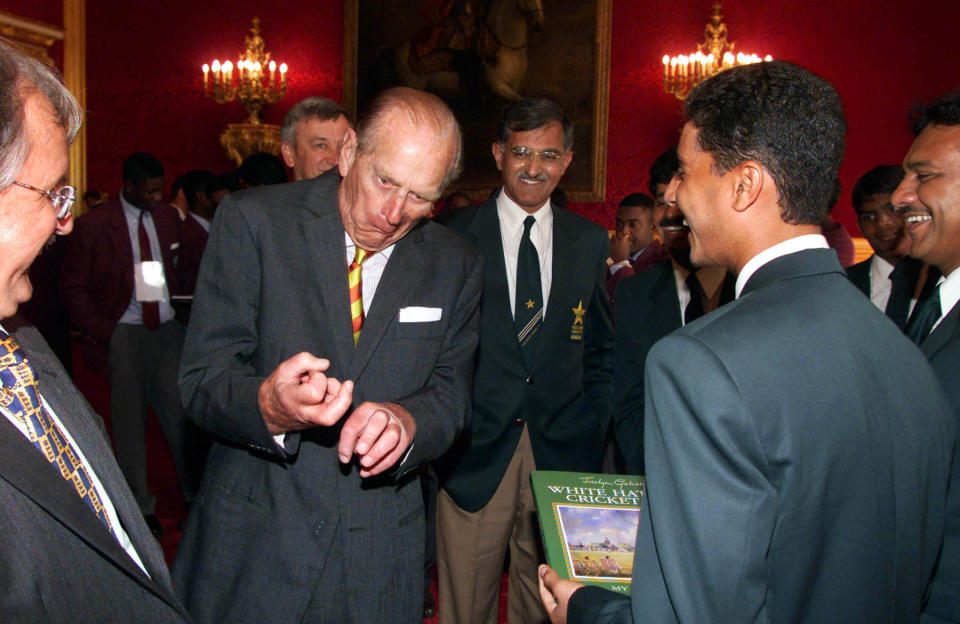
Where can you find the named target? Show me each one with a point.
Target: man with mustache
(889, 277)
(654, 303)
(797, 444)
(929, 197)
(541, 387)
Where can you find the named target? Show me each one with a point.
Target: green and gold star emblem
(578, 313)
(529, 304)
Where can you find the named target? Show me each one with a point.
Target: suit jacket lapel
(497, 314)
(323, 238)
(556, 322)
(404, 271)
(121, 240)
(666, 300)
(942, 334)
(60, 499)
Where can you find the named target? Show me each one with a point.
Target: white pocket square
(420, 315)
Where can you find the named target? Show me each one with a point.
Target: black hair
(880, 179)
(262, 168)
(943, 111)
(141, 166)
(638, 199)
(782, 116)
(663, 169)
(532, 113)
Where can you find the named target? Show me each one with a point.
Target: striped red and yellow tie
(356, 292)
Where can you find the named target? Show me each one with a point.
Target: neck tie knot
(359, 255)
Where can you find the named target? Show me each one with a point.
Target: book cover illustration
(589, 525)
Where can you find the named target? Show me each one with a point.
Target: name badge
(148, 280)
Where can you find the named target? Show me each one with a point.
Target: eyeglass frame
(526, 154)
(65, 200)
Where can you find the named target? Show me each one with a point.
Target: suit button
(319, 528)
(529, 380)
(518, 422)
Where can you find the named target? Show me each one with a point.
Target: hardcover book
(589, 525)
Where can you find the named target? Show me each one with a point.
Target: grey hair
(421, 110)
(19, 72)
(322, 108)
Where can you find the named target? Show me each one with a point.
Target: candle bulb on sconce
(254, 91)
(682, 73)
(250, 87)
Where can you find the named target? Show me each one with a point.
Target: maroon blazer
(652, 254)
(96, 282)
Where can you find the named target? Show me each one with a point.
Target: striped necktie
(528, 308)
(354, 278)
(21, 397)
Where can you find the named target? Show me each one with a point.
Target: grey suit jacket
(273, 283)
(942, 348)
(57, 561)
(798, 449)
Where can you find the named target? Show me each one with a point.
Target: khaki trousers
(471, 548)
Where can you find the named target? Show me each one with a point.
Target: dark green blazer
(797, 451)
(564, 396)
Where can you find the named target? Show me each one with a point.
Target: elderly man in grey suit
(797, 445)
(330, 352)
(73, 545)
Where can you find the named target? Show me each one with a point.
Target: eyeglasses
(62, 198)
(525, 154)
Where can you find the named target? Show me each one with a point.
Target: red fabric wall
(144, 80)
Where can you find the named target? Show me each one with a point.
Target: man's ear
(286, 150)
(497, 149)
(348, 152)
(749, 180)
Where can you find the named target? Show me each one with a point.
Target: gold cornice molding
(75, 77)
(35, 38)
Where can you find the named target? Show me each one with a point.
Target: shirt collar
(386, 251)
(129, 209)
(512, 215)
(789, 246)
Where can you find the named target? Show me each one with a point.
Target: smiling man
(74, 547)
(888, 277)
(329, 352)
(541, 390)
(786, 481)
(312, 134)
(929, 197)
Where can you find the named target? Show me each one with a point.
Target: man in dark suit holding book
(797, 445)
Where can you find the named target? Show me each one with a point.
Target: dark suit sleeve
(441, 407)
(598, 341)
(710, 510)
(595, 605)
(218, 382)
(628, 383)
(76, 278)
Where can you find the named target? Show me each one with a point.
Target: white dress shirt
(133, 315)
(789, 246)
(511, 218)
(880, 284)
(949, 295)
